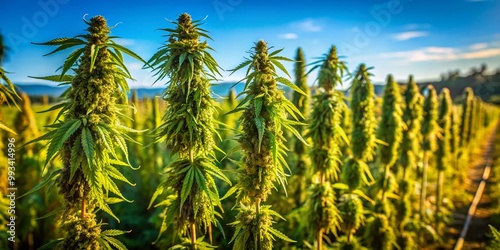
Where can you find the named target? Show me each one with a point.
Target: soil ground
(476, 235)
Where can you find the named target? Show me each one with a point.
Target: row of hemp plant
(89, 136)
(263, 121)
(355, 171)
(379, 231)
(188, 128)
(326, 135)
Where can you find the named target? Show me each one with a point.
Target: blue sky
(398, 37)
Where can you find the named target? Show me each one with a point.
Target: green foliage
(466, 116)
(390, 128)
(430, 126)
(187, 124)
(351, 212)
(331, 70)
(412, 116)
(363, 120)
(324, 125)
(7, 95)
(254, 228)
(323, 215)
(495, 239)
(263, 121)
(187, 128)
(91, 134)
(379, 234)
(443, 156)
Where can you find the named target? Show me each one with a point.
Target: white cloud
(424, 54)
(403, 36)
(485, 53)
(416, 26)
(308, 25)
(478, 46)
(288, 36)
(474, 51)
(125, 42)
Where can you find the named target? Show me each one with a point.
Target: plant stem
(320, 239)
(439, 194)
(385, 183)
(193, 225)
(259, 241)
(193, 235)
(83, 206)
(422, 191)
(210, 234)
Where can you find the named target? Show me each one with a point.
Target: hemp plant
(88, 135)
(263, 120)
(409, 155)
(379, 232)
(466, 117)
(7, 92)
(443, 152)
(356, 171)
(301, 101)
(429, 131)
(327, 135)
(188, 129)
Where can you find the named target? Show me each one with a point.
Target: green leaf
(57, 106)
(94, 50)
(116, 243)
(51, 213)
(279, 234)
(289, 84)
(76, 157)
(187, 183)
(54, 78)
(260, 124)
(42, 184)
(126, 51)
(88, 145)
(4, 127)
(70, 61)
(114, 232)
(60, 137)
(158, 191)
(51, 245)
(104, 243)
(257, 102)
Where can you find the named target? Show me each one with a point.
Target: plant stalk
(83, 206)
(193, 235)
(259, 240)
(320, 239)
(439, 197)
(423, 192)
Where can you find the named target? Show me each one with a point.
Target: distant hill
(220, 90)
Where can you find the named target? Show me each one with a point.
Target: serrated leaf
(94, 51)
(42, 184)
(260, 124)
(4, 127)
(187, 184)
(257, 102)
(114, 232)
(289, 84)
(51, 245)
(279, 234)
(76, 157)
(88, 145)
(115, 242)
(60, 137)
